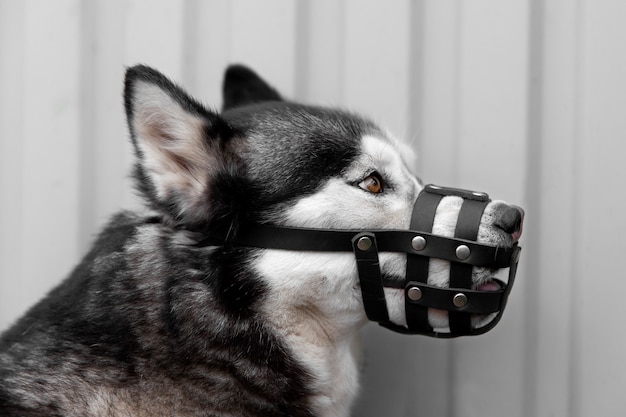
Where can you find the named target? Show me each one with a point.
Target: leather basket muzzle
(462, 251)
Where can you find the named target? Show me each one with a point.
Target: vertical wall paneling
(552, 183)
(11, 157)
(264, 37)
(302, 45)
(155, 35)
(376, 77)
(415, 77)
(49, 171)
(524, 99)
(209, 48)
(321, 54)
(601, 175)
(536, 26)
(438, 150)
(104, 62)
(492, 121)
(87, 160)
(492, 95)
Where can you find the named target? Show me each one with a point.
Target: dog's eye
(372, 183)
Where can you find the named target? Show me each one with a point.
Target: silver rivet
(414, 294)
(462, 252)
(364, 243)
(418, 243)
(459, 300)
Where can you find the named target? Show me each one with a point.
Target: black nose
(509, 219)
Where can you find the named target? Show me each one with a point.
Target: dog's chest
(335, 373)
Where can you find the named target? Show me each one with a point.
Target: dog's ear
(243, 86)
(180, 146)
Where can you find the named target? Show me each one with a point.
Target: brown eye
(372, 183)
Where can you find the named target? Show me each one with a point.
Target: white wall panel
(600, 171)
(106, 154)
(438, 131)
(210, 26)
(524, 99)
(491, 136)
(264, 36)
(376, 63)
(11, 154)
(552, 199)
(321, 52)
(43, 147)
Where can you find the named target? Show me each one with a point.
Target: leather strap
(368, 267)
(467, 226)
(340, 240)
(478, 302)
(422, 219)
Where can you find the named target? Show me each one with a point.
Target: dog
(159, 319)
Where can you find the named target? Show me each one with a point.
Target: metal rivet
(364, 243)
(418, 243)
(414, 294)
(462, 252)
(459, 300)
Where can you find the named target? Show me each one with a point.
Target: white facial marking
(342, 205)
(329, 280)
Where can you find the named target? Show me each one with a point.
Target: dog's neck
(330, 355)
(320, 326)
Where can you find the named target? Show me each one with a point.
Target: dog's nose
(510, 219)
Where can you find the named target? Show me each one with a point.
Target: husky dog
(155, 321)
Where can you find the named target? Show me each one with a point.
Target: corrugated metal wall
(523, 99)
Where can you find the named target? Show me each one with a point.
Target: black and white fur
(151, 323)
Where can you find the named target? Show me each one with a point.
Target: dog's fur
(153, 324)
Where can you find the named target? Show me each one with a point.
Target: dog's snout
(510, 219)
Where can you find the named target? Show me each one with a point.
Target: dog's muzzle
(462, 251)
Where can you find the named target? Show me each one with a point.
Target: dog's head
(263, 160)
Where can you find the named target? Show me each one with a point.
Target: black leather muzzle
(462, 251)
